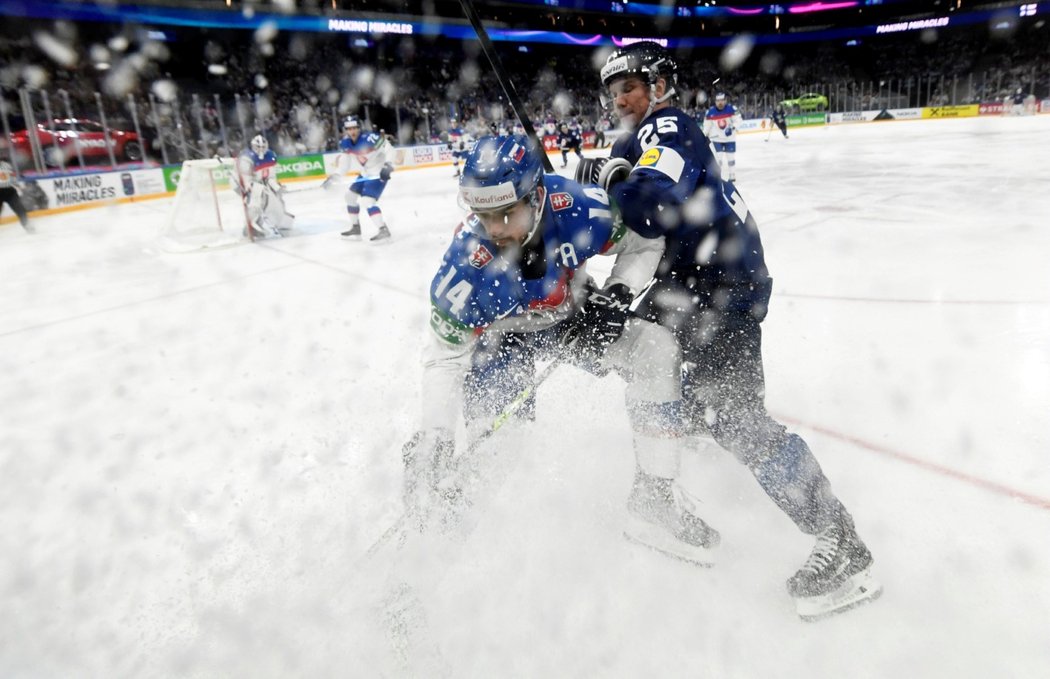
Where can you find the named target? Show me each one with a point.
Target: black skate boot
(383, 235)
(354, 233)
(660, 516)
(836, 576)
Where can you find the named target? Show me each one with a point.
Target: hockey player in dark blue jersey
(712, 289)
(569, 140)
(779, 119)
(513, 288)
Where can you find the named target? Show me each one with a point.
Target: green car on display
(811, 101)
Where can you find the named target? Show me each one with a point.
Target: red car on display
(72, 133)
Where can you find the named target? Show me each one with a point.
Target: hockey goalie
(262, 194)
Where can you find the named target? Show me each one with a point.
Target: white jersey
(368, 154)
(720, 125)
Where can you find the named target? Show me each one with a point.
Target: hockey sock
(376, 215)
(657, 436)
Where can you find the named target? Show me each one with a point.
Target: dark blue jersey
(778, 117)
(569, 140)
(675, 190)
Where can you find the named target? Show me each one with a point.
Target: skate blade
(648, 535)
(860, 589)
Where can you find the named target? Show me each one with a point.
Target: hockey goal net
(207, 211)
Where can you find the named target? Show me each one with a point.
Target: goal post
(208, 211)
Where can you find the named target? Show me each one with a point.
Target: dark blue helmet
(500, 171)
(645, 60)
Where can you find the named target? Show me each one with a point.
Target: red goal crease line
(998, 488)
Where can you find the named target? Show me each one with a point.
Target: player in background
(600, 128)
(1017, 101)
(569, 140)
(257, 172)
(513, 287)
(712, 290)
(779, 118)
(720, 125)
(9, 194)
(459, 141)
(371, 155)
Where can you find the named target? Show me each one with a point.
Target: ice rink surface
(196, 449)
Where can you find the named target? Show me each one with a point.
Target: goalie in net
(257, 170)
(221, 202)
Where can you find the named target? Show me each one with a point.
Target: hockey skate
(265, 228)
(354, 233)
(836, 576)
(660, 516)
(383, 235)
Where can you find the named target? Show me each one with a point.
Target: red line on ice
(998, 488)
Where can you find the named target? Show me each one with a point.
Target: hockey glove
(428, 472)
(600, 323)
(605, 172)
(385, 173)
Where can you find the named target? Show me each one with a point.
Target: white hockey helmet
(259, 144)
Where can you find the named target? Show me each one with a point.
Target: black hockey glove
(600, 323)
(385, 173)
(605, 172)
(428, 472)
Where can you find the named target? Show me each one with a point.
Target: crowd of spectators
(206, 91)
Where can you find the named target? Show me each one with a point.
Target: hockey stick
(403, 613)
(465, 461)
(303, 189)
(235, 176)
(504, 81)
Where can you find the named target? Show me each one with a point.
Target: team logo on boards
(561, 201)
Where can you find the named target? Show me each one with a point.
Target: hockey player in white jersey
(459, 142)
(257, 172)
(513, 287)
(720, 126)
(372, 156)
